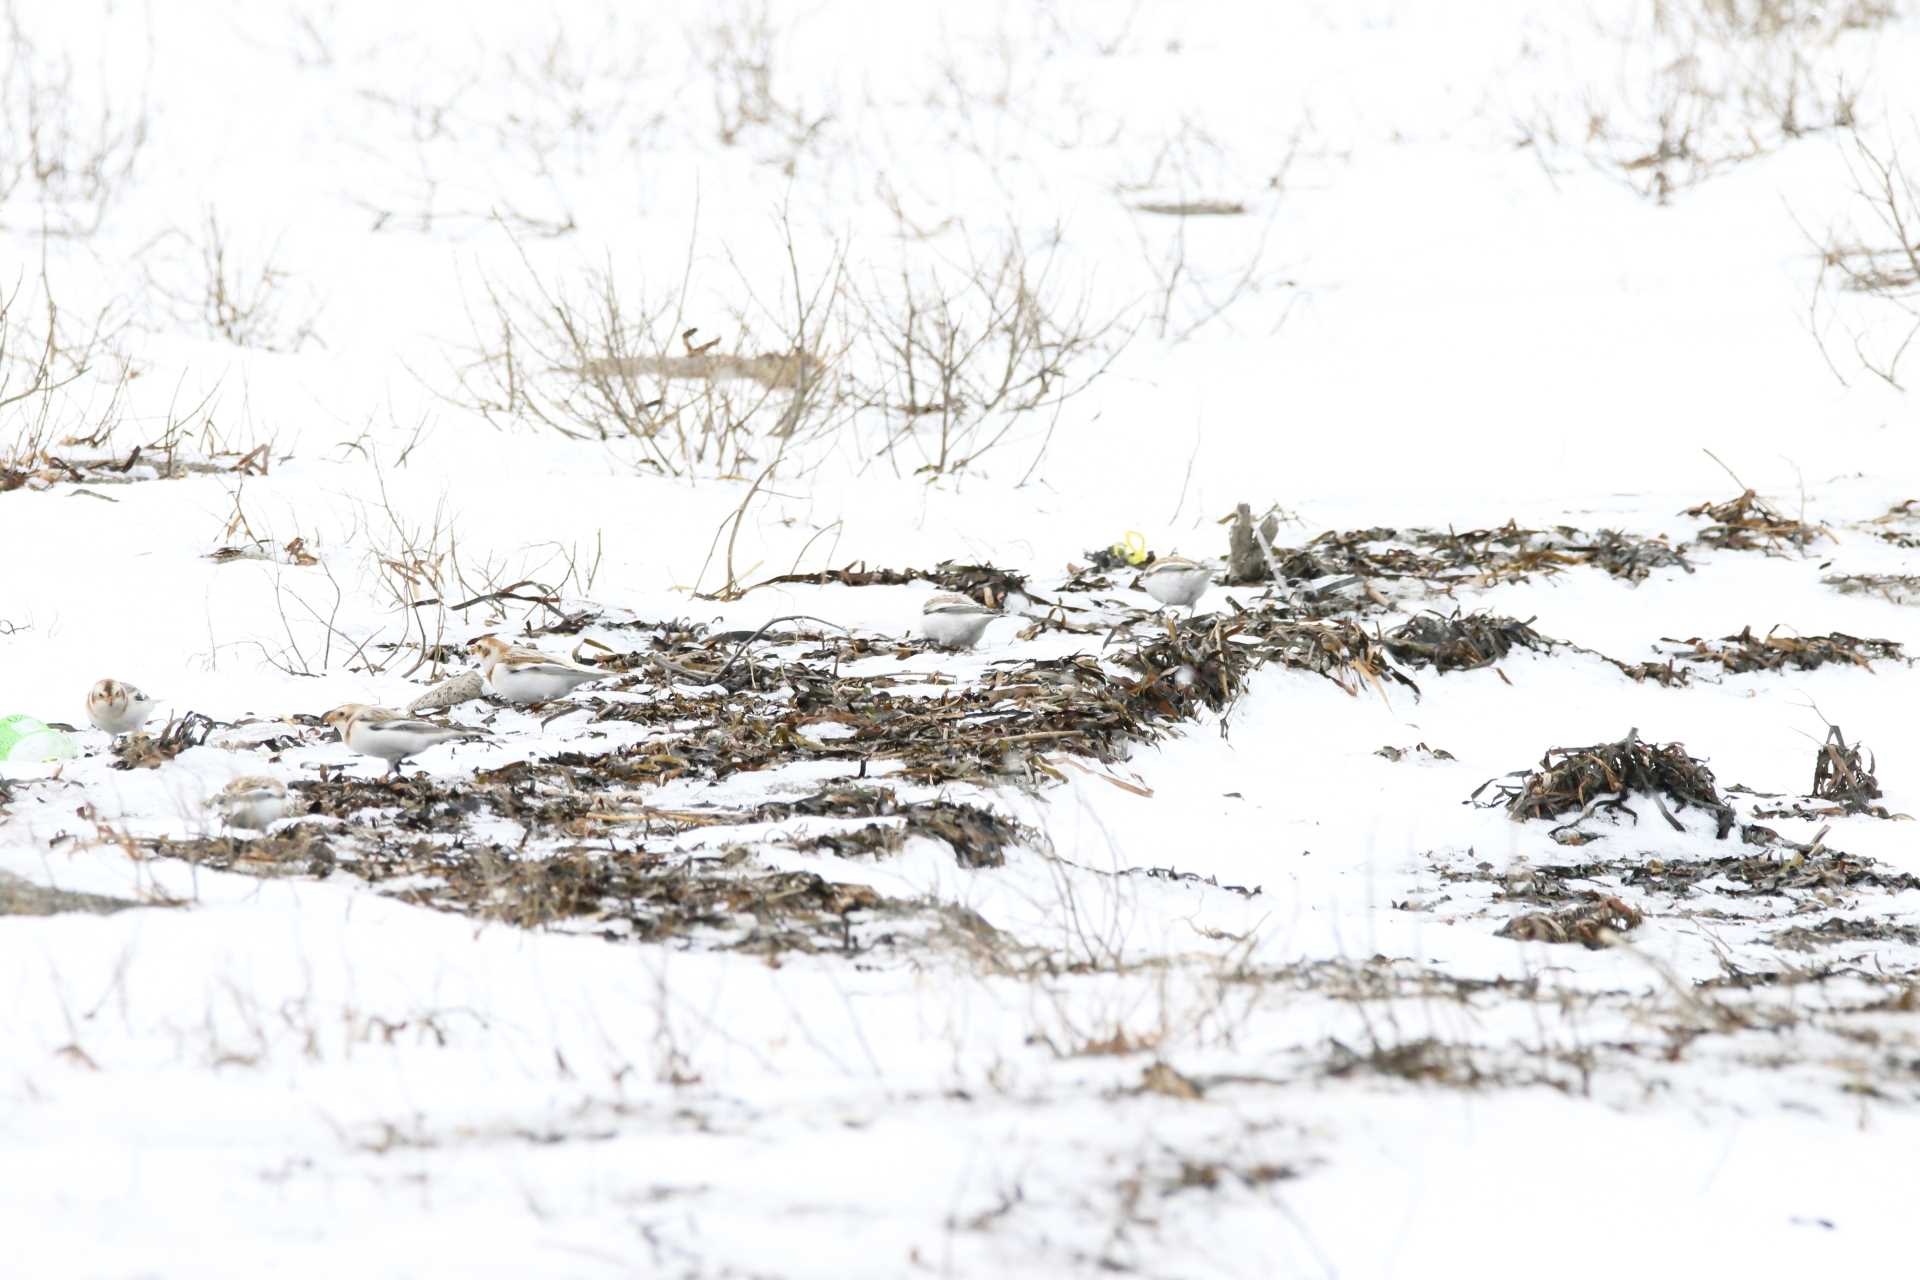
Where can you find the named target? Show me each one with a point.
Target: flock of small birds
(523, 675)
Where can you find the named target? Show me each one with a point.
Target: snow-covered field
(337, 335)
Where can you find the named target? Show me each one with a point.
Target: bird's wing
(547, 665)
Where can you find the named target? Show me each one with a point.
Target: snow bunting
(955, 620)
(1176, 580)
(255, 802)
(116, 707)
(376, 731)
(521, 673)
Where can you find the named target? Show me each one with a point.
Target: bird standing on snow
(1176, 580)
(521, 673)
(389, 735)
(955, 620)
(116, 707)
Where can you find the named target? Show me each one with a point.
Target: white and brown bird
(954, 620)
(390, 735)
(255, 802)
(521, 673)
(1176, 580)
(117, 707)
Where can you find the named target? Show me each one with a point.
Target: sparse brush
(959, 355)
(596, 359)
(741, 54)
(72, 160)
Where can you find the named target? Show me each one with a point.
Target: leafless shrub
(1707, 85)
(599, 360)
(246, 304)
(1191, 287)
(60, 387)
(1880, 263)
(961, 354)
(70, 161)
(740, 53)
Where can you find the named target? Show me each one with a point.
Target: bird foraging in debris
(955, 620)
(521, 673)
(389, 735)
(1176, 580)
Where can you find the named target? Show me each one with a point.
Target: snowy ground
(698, 979)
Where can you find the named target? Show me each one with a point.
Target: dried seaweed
(1593, 923)
(1836, 930)
(1840, 774)
(46, 469)
(1449, 557)
(139, 751)
(1750, 523)
(981, 581)
(1623, 555)
(1397, 754)
(978, 836)
(1581, 780)
(1745, 652)
(1894, 588)
(1460, 642)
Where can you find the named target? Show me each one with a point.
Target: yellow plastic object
(1134, 549)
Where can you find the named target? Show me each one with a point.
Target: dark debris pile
(1844, 775)
(1746, 652)
(141, 751)
(1460, 642)
(1583, 780)
(1750, 523)
(1476, 557)
(1593, 922)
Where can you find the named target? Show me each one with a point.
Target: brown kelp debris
(1842, 774)
(19, 897)
(1664, 674)
(533, 793)
(1448, 557)
(1623, 555)
(1580, 780)
(1895, 588)
(978, 836)
(1593, 923)
(140, 751)
(1888, 526)
(1750, 523)
(1838, 930)
(293, 553)
(1426, 1059)
(1460, 642)
(983, 582)
(1782, 868)
(81, 462)
(1205, 661)
(1745, 652)
(1805, 869)
(1397, 754)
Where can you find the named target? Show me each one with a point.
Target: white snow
(1234, 1005)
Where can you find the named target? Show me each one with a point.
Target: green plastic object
(25, 740)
